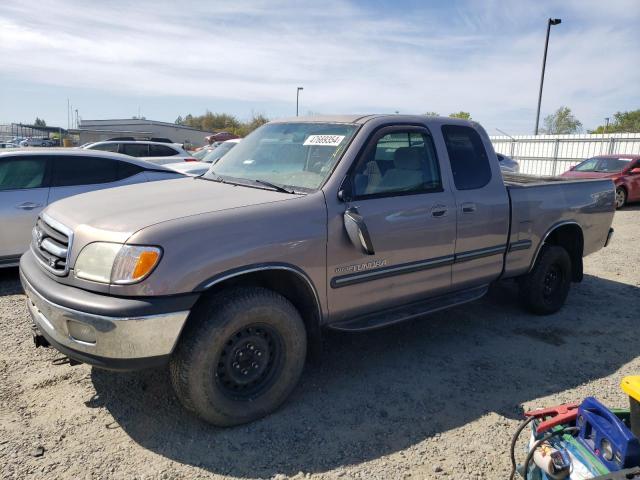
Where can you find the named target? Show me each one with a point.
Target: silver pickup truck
(347, 222)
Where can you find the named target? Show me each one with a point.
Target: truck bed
(539, 204)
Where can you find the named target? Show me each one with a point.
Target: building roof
(89, 124)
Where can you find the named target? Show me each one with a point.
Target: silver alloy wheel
(621, 197)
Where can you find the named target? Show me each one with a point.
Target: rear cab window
(469, 160)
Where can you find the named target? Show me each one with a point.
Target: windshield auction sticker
(325, 140)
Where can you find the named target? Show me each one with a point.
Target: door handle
(28, 205)
(439, 211)
(468, 207)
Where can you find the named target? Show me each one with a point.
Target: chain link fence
(555, 154)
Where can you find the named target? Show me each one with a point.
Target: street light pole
(551, 21)
(298, 98)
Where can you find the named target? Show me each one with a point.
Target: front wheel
(544, 290)
(621, 197)
(240, 357)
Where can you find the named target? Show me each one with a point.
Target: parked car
(200, 154)
(34, 142)
(198, 168)
(346, 222)
(623, 169)
(8, 145)
(508, 164)
(220, 137)
(154, 152)
(31, 180)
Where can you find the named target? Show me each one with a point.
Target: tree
(179, 120)
(463, 115)
(214, 122)
(561, 122)
(40, 122)
(432, 114)
(628, 122)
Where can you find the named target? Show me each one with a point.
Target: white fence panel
(554, 154)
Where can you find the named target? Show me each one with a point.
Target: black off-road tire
(621, 197)
(240, 357)
(544, 290)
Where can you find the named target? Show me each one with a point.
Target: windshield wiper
(274, 186)
(217, 178)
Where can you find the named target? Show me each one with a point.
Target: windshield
(200, 154)
(296, 155)
(602, 164)
(216, 154)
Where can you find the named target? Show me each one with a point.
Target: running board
(390, 316)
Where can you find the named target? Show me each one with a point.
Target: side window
(126, 170)
(106, 147)
(135, 149)
(469, 161)
(18, 173)
(81, 170)
(400, 163)
(161, 151)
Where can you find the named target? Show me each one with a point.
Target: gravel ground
(434, 398)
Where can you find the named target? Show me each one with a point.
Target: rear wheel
(241, 356)
(621, 197)
(544, 290)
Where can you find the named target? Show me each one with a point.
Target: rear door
(74, 174)
(24, 189)
(398, 190)
(482, 204)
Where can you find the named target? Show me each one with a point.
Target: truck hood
(125, 210)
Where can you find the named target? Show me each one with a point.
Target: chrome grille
(51, 244)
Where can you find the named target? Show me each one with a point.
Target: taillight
(190, 159)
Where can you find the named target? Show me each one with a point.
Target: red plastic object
(565, 413)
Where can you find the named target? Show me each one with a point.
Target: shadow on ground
(381, 392)
(10, 281)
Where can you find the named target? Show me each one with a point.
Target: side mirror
(357, 231)
(635, 171)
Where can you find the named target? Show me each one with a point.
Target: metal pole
(298, 98)
(551, 21)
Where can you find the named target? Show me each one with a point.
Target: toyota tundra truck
(349, 223)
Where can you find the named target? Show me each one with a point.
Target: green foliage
(628, 122)
(40, 122)
(431, 114)
(463, 115)
(215, 122)
(561, 122)
(179, 120)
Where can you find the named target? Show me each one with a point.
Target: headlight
(116, 263)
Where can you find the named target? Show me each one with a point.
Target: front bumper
(126, 342)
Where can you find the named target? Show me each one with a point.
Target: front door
(396, 188)
(23, 194)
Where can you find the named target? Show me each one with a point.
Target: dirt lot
(434, 398)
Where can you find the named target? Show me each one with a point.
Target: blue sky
(174, 58)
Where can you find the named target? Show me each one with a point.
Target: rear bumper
(127, 342)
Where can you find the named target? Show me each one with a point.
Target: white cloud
(482, 57)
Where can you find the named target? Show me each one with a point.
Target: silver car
(31, 180)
